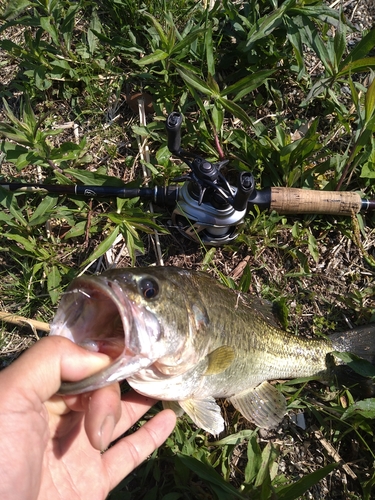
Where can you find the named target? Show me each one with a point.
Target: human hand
(50, 447)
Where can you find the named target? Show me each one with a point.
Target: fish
(179, 336)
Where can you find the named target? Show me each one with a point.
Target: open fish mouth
(96, 313)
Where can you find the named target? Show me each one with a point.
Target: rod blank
(281, 199)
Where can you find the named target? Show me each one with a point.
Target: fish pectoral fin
(219, 360)
(264, 405)
(205, 413)
(173, 405)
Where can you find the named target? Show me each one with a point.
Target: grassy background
(287, 90)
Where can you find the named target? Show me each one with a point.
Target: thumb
(42, 368)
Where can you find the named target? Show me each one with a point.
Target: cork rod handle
(306, 201)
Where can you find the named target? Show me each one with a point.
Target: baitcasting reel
(208, 208)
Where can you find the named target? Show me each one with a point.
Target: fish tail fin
(359, 341)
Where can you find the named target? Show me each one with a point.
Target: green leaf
(209, 50)
(236, 111)
(198, 101)
(361, 49)
(357, 364)
(319, 87)
(45, 23)
(185, 66)
(172, 496)
(7, 218)
(186, 41)
(42, 212)
(248, 84)
(212, 83)
(370, 102)
(354, 92)
(294, 36)
(312, 37)
(207, 473)
(69, 151)
(95, 27)
(29, 245)
(267, 466)
(313, 246)
(194, 81)
(141, 130)
(133, 242)
(339, 41)
(267, 24)
(217, 116)
(157, 55)
(15, 135)
(208, 257)
(102, 247)
(93, 178)
(254, 459)
(19, 155)
(368, 170)
(297, 489)
(365, 408)
(15, 7)
(236, 438)
(159, 29)
(79, 229)
(9, 201)
(53, 283)
(245, 280)
(316, 11)
(356, 66)
(67, 24)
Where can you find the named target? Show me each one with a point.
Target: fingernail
(106, 432)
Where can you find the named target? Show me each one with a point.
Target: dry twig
(332, 452)
(22, 321)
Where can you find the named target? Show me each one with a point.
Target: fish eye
(148, 288)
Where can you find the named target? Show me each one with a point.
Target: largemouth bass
(181, 337)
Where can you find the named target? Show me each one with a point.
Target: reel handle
(173, 126)
(306, 201)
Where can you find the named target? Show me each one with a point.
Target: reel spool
(205, 223)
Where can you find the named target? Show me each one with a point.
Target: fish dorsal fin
(264, 405)
(205, 413)
(263, 307)
(219, 360)
(174, 406)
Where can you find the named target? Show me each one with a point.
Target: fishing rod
(211, 210)
(206, 207)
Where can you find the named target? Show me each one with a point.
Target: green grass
(280, 88)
